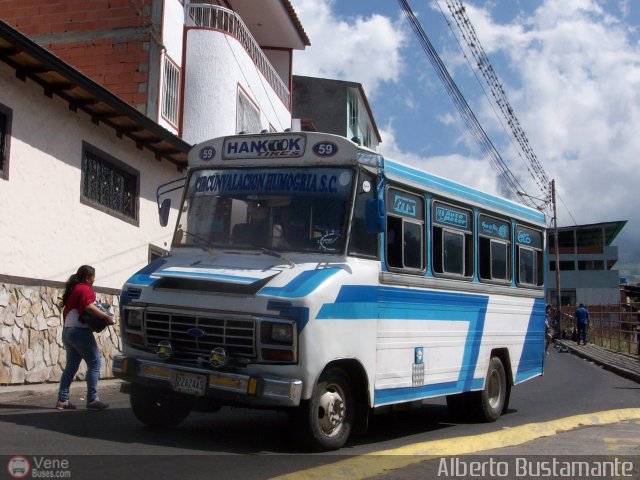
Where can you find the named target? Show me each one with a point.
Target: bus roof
(313, 149)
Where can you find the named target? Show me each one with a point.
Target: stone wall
(31, 349)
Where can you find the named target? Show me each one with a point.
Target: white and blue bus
(310, 274)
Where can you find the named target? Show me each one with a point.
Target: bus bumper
(225, 387)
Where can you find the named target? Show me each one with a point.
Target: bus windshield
(285, 208)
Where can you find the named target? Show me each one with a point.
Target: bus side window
(452, 242)
(394, 242)
(529, 257)
(494, 249)
(405, 231)
(363, 243)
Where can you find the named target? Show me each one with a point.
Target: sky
(570, 70)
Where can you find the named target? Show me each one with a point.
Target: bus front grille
(194, 336)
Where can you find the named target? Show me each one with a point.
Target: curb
(617, 369)
(375, 464)
(15, 393)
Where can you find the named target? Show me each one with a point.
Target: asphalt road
(253, 444)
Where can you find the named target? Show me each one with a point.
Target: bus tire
(327, 417)
(158, 408)
(489, 402)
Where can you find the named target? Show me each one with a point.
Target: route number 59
(325, 149)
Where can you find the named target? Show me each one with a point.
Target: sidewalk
(16, 393)
(622, 364)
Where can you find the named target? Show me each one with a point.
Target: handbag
(96, 324)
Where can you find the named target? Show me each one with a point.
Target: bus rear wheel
(325, 420)
(487, 404)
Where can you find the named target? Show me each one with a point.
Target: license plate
(190, 383)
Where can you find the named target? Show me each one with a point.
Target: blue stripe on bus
(530, 364)
(391, 303)
(404, 394)
(302, 285)
(448, 186)
(143, 276)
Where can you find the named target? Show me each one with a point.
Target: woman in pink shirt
(78, 339)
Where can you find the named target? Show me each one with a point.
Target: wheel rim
(331, 410)
(494, 389)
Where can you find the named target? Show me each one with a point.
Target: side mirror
(163, 212)
(374, 215)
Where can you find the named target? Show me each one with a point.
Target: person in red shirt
(78, 339)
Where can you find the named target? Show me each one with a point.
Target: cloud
(466, 170)
(578, 99)
(359, 49)
(571, 71)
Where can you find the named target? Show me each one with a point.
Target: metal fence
(616, 327)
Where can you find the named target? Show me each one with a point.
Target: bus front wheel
(327, 417)
(159, 409)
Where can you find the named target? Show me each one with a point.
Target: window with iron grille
(248, 119)
(5, 137)
(109, 185)
(170, 91)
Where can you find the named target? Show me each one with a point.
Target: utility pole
(555, 238)
(556, 242)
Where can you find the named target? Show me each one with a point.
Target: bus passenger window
(452, 242)
(527, 270)
(530, 257)
(494, 249)
(413, 245)
(394, 242)
(405, 231)
(499, 260)
(453, 253)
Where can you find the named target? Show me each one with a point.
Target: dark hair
(83, 273)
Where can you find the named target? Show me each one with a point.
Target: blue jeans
(582, 334)
(80, 344)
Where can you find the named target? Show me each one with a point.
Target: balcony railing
(225, 20)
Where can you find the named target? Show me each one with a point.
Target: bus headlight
(134, 318)
(280, 333)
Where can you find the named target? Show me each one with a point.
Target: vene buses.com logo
(18, 467)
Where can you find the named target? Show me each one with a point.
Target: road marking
(377, 463)
(615, 444)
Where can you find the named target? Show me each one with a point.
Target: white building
(587, 259)
(83, 149)
(200, 68)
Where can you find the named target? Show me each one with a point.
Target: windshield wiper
(203, 243)
(273, 253)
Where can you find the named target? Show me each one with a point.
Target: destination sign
(529, 237)
(247, 147)
(453, 217)
(321, 181)
(492, 227)
(405, 204)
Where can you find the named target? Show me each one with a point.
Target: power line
(505, 176)
(524, 148)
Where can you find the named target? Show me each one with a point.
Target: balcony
(224, 20)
